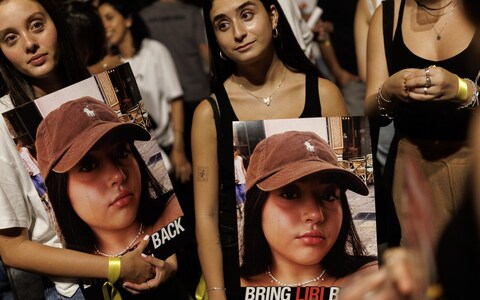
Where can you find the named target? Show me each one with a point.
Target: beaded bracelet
(382, 110)
(474, 99)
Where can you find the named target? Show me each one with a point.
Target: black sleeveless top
(433, 120)
(227, 202)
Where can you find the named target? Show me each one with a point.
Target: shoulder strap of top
(388, 13)
(216, 116)
(312, 107)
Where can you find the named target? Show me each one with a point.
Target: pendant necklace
(140, 231)
(438, 35)
(281, 283)
(265, 100)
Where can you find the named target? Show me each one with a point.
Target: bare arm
(331, 99)
(181, 165)
(361, 23)
(205, 182)
(18, 251)
(377, 71)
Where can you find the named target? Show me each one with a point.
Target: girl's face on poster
(243, 28)
(28, 38)
(105, 186)
(301, 221)
(116, 26)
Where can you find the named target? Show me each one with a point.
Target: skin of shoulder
(331, 99)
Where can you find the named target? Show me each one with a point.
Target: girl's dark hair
(87, 30)
(346, 256)
(286, 47)
(76, 233)
(138, 29)
(71, 68)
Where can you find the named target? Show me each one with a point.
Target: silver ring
(427, 72)
(428, 82)
(149, 287)
(425, 90)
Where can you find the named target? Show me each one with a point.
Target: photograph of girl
(298, 226)
(104, 197)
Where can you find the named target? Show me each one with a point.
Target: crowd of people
(80, 202)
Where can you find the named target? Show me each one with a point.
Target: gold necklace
(265, 100)
(140, 231)
(438, 36)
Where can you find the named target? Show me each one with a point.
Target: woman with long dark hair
(298, 226)
(258, 72)
(36, 58)
(104, 197)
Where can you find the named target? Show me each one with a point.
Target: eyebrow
(29, 20)
(242, 6)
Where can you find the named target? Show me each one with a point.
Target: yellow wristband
(114, 265)
(462, 92)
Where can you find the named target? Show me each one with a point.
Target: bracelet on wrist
(114, 267)
(462, 91)
(473, 102)
(216, 289)
(382, 110)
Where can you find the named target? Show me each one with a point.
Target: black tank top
(428, 120)
(227, 214)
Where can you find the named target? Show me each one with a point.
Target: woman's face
(28, 38)
(301, 221)
(115, 24)
(105, 186)
(243, 28)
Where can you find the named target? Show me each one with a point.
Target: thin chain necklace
(438, 36)
(265, 100)
(140, 231)
(281, 283)
(431, 8)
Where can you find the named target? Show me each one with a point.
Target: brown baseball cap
(67, 133)
(283, 158)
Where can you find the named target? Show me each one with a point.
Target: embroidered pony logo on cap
(89, 112)
(310, 147)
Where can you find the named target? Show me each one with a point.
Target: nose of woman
(30, 42)
(312, 211)
(116, 174)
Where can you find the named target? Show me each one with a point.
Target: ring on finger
(427, 72)
(425, 90)
(428, 82)
(149, 287)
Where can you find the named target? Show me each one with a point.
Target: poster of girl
(105, 198)
(298, 227)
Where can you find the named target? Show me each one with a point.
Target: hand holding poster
(104, 196)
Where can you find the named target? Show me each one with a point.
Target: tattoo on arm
(203, 174)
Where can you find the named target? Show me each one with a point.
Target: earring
(222, 56)
(275, 33)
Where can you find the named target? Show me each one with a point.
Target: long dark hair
(347, 255)
(286, 46)
(87, 30)
(70, 68)
(76, 233)
(138, 29)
